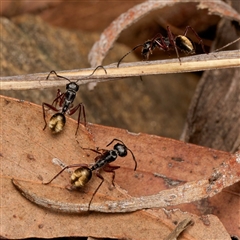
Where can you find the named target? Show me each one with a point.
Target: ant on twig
(181, 42)
(63, 104)
(82, 175)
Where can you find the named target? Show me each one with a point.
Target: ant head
(72, 86)
(57, 122)
(147, 49)
(184, 44)
(81, 176)
(122, 149)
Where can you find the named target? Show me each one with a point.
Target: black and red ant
(63, 104)
(181, 42)
(82, 175)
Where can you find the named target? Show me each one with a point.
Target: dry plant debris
(31, 162)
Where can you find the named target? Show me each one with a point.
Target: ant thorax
(107, 157)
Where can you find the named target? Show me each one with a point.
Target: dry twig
(226, 59)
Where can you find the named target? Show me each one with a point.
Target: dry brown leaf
(219, 8)
(112, 32)
(213, 121)
(27, 154)
(224, 204)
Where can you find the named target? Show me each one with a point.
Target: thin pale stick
(219, 60)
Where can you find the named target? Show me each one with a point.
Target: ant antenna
(59, 76)
(134, 159)
(219, 49)
(140, 45)
(100, 66)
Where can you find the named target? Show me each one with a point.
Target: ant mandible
(181, 42)
(63, 104)
(82, 175)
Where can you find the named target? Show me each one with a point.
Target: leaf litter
(23, 137)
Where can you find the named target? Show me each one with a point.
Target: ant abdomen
(184, 44)
(81, 176)
(57, 122)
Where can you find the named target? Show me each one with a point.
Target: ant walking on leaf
(83, 174)
(171, 42)
(63, 104)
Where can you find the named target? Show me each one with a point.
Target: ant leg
(94, 193)
(172, 42)
(110, 168)
(200, 41)
(69, 166)
(44, 112)
(106, 168)
(79, 107)
(44, 116)
(117, 140)
(99, 151)
(60, 98)
(84, 115)
(159, 40)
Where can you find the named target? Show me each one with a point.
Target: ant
(82, 175)
(64, 101)
(181, 42)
